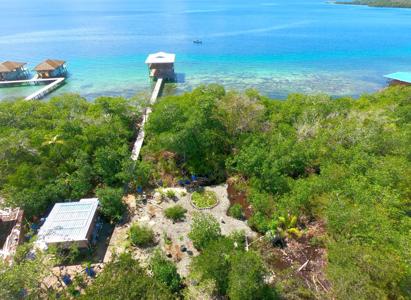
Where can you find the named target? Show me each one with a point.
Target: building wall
(93, 224)
(59, 72)
(12, 233)
(16, 75)
(5, 230)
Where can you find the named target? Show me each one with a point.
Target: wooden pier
(156, 91)
(55, 83)
(32, 81)
(140, 137)
(46, 90)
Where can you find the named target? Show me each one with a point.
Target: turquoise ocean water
(276, 46)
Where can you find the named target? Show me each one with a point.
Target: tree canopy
(62, 149)
(344, 161)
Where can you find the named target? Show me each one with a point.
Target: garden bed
(204, 199)
(239, 197)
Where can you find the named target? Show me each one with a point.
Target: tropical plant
(286, 227)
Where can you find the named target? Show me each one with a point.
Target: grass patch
(204, 199)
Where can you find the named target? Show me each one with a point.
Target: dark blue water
(277, 47)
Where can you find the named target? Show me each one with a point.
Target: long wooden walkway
(34, 80)
(55, 82)
(140, 137)
(46, 90)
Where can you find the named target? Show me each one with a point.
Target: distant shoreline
(379, 3)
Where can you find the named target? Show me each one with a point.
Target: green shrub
(235, 272)
(204, 199)
(246, 277)
(123, 278)
(165, 271)
(204, 229)
(141, 236)
(175, 213)
(236, 211)
(213, 264)
(170, 194)
(111, 202)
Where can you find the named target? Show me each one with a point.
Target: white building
(68, 223)
(161, 65)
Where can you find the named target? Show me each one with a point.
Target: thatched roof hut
(11, 66)
(49, 65)
(51, 68)
(12, 70)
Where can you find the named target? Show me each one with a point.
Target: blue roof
(400, 76)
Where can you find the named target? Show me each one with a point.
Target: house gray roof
(69, 221)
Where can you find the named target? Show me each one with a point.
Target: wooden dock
(140, 137)
(156, 91)
(46, 90)
(55, 83)
(27, 81)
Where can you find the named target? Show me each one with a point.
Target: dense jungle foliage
(63, 149)
(343, 162)
(346, 162)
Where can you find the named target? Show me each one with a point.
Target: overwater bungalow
(51, 68)
(161, 65)
(12, 70)
(399, 78)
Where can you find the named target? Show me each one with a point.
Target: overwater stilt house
(51, 68)
(399, 78)
(161, 65)
(12, 70)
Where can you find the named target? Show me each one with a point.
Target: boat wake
(259, 30)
